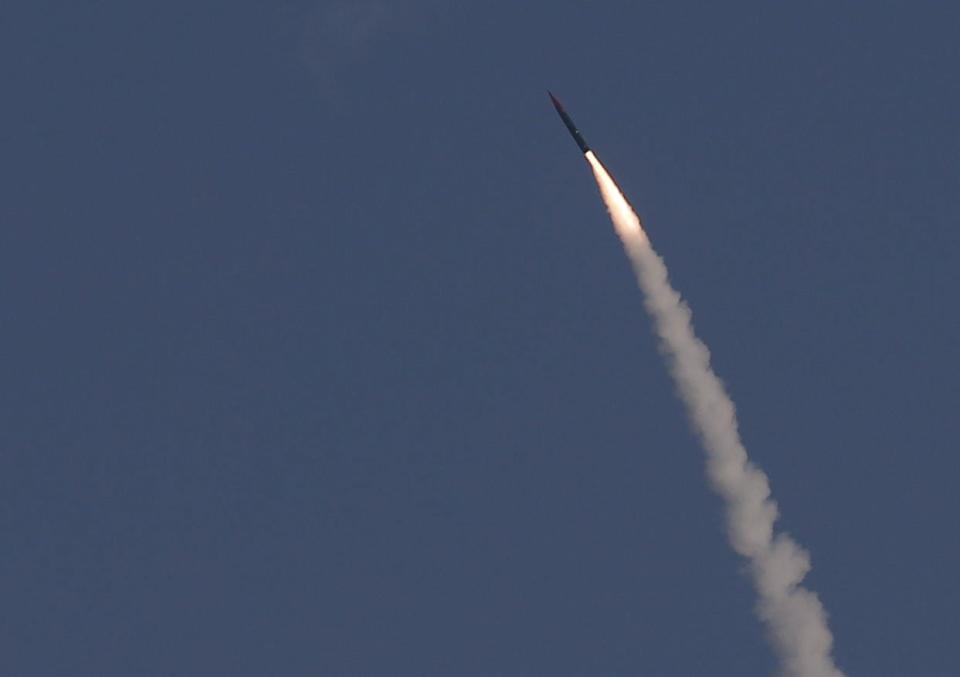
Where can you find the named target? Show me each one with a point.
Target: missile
(575, 133)
(572, 128)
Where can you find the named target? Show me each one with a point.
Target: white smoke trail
(794, 616)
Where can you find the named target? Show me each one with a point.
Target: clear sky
(320, 356)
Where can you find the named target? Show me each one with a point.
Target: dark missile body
(572, 128)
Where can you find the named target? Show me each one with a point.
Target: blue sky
(321, 357)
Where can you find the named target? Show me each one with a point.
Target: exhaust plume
(793, 615)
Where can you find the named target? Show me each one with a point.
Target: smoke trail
(794, 616)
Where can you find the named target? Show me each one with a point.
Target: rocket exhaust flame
(794, 617)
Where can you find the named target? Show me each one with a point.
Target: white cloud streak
(793, 615)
